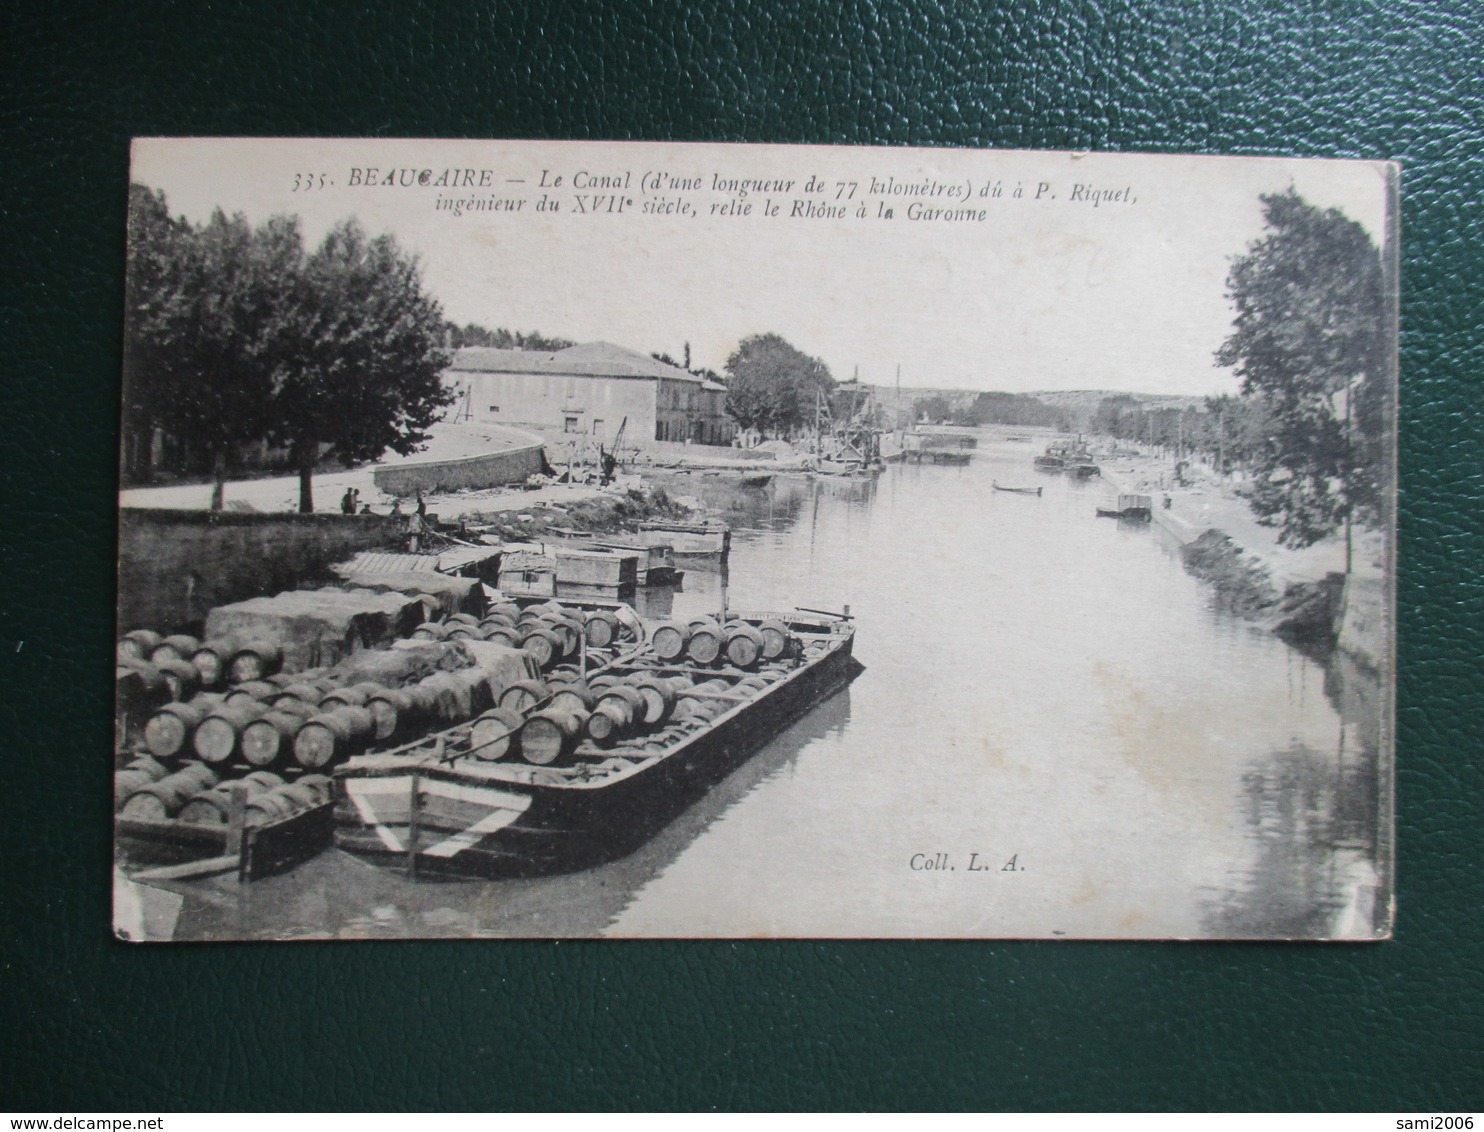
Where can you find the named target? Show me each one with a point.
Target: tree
(202, 306)
(1308, 342)
(771, 386)
(358, 360)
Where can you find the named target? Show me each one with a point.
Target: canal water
(1058, 733)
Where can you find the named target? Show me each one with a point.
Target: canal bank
(1303, 596)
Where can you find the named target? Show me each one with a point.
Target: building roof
(590, 359)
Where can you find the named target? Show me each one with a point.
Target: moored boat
(1016, 490)
(596, 767)
(688, 540)
(1070, 456)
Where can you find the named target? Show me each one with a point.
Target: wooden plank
(206, 866)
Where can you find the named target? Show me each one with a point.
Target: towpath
(448, 441)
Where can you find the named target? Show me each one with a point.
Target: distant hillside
(1062, 408)
(1080, 404)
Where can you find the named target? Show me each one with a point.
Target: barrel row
(705, 641)
(544, 722)
(549, 632)
(195, 795)
(213, 663)
(314, 723)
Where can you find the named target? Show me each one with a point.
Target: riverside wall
(492, 469)
(175, 566)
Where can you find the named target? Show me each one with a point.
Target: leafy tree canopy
(771, 385)
(1309, 343)
(234, 334)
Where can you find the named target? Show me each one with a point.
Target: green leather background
(93, 1024)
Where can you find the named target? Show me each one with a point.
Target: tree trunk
(305, 454)
(218, 477)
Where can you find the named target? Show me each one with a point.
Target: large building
(590, 389)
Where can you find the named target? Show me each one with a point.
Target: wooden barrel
(147, 765)
(332, 736)
(218, 736)
(669, 640)
(619, 711)
(169, 730)
(506, 609)
(297, 708)
(165, 798)
(180, 677)
(214, 806)
(659, 698)
(497, 621)
(140, 683)
(256, 660)
(352, 695)
(177, 646)
(267, 807)
(139, 773)
(392, 710)
(462, 619)
(573, 695)
(609, 722)
(508, 636)
(744, 645)
(321, 784)
(298, 693)
(775, 638)
(549, 736)
(524, 695)
(264, 741)
(300, 796)
(210, 661)
(138, 644)
(601, 628)
(688, 705)
(706, 641)
(541, 644)
(570, 629)
(430, 631)
(464, 633)
(263, 690)
(495, 734)
(204, 776)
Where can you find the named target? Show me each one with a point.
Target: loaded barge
(527, 737)
(579, 769)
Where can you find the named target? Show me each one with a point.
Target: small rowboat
(1017, 490)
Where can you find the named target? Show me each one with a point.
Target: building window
(571, 424)
(494, 408)
(598, 426)
(659, 430)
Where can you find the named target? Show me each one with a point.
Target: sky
(1106, 272)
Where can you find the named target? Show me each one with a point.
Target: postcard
(588, 539)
